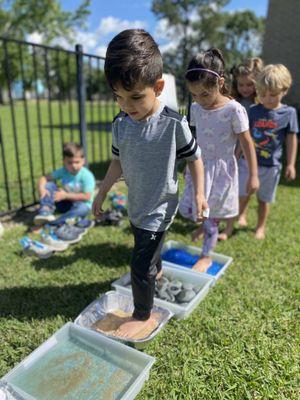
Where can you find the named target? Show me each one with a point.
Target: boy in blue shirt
(148, 141)
(271, 124)
(75, 197)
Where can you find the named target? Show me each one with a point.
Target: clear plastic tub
(79, 364)
(220, 261)
(202, 281)
(8, 393)
(111, 301)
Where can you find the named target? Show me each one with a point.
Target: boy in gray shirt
(148, 141)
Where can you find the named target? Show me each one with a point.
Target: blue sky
(108, 17)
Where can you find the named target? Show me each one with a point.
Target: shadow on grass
(103, 254)
(25, 303)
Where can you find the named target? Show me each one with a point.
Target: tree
(196, 25)
(46, 17)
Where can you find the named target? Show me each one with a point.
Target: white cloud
(111, 25)
(35, 37)
(100, 51)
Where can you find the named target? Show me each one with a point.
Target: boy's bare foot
(242, 222)
(136, 329)
(197, 234)
(260, 233)
(203, 264)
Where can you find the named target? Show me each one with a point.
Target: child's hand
(97, 205)
(201, 205)
(290, 173)
(252, 184)
(60, 195)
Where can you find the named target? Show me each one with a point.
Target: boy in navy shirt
(271, 124)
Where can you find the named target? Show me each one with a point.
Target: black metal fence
(48, 96)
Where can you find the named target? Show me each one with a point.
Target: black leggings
(145, 265)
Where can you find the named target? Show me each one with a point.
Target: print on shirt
(265, 137)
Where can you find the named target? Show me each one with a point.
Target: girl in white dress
(219, 122)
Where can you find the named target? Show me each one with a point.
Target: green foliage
(198, 25)
(43, 16)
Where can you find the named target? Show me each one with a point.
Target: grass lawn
(242, 342)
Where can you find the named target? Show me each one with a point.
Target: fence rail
(48, 96)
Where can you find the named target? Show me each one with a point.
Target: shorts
(268, 181)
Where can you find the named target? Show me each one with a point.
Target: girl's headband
(203, 69)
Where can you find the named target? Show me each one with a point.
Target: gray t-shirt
(149, 152)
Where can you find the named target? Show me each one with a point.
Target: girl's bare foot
(242, 221)
(223, 236)
(260, 233)
(135, 328)
(202, 264)
(197, 234)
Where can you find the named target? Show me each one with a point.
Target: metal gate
(48, 96)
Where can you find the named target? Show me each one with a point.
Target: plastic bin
(79, 364)
(111, 301)
(220, 261)
(203, 281)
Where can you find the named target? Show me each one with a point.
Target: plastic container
(181, 311)
(186, 256)
(79, 364)
(8, 393)
(111, 301)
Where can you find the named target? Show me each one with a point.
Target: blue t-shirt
(82, 182)
(269, 129)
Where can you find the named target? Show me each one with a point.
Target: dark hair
(72, 149)
(249, 67)
(133, 56)
(212, 60)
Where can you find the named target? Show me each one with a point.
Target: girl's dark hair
(212, 60)
(133, 57)
(249, 67)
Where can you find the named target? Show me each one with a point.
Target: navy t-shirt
(269, 129)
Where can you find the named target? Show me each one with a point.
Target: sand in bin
(116, 318)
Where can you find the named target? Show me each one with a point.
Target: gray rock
(185, 296)
(175, 287)
(188, 286)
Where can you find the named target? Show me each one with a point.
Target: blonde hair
(274, 77)
(250, 67)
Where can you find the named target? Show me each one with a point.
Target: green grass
(242, 342)
(49, 135)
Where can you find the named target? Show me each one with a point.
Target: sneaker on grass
(52, 240)
(35, 248)
(68, 234)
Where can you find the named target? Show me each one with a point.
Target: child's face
(245, 86)
(270, 99)
(140, 102)
(74, 164)
(207, 98)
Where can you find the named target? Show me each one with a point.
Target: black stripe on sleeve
(115, 151)
(190, 151)
(186, 148)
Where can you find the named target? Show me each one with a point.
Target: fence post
(81, 98)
